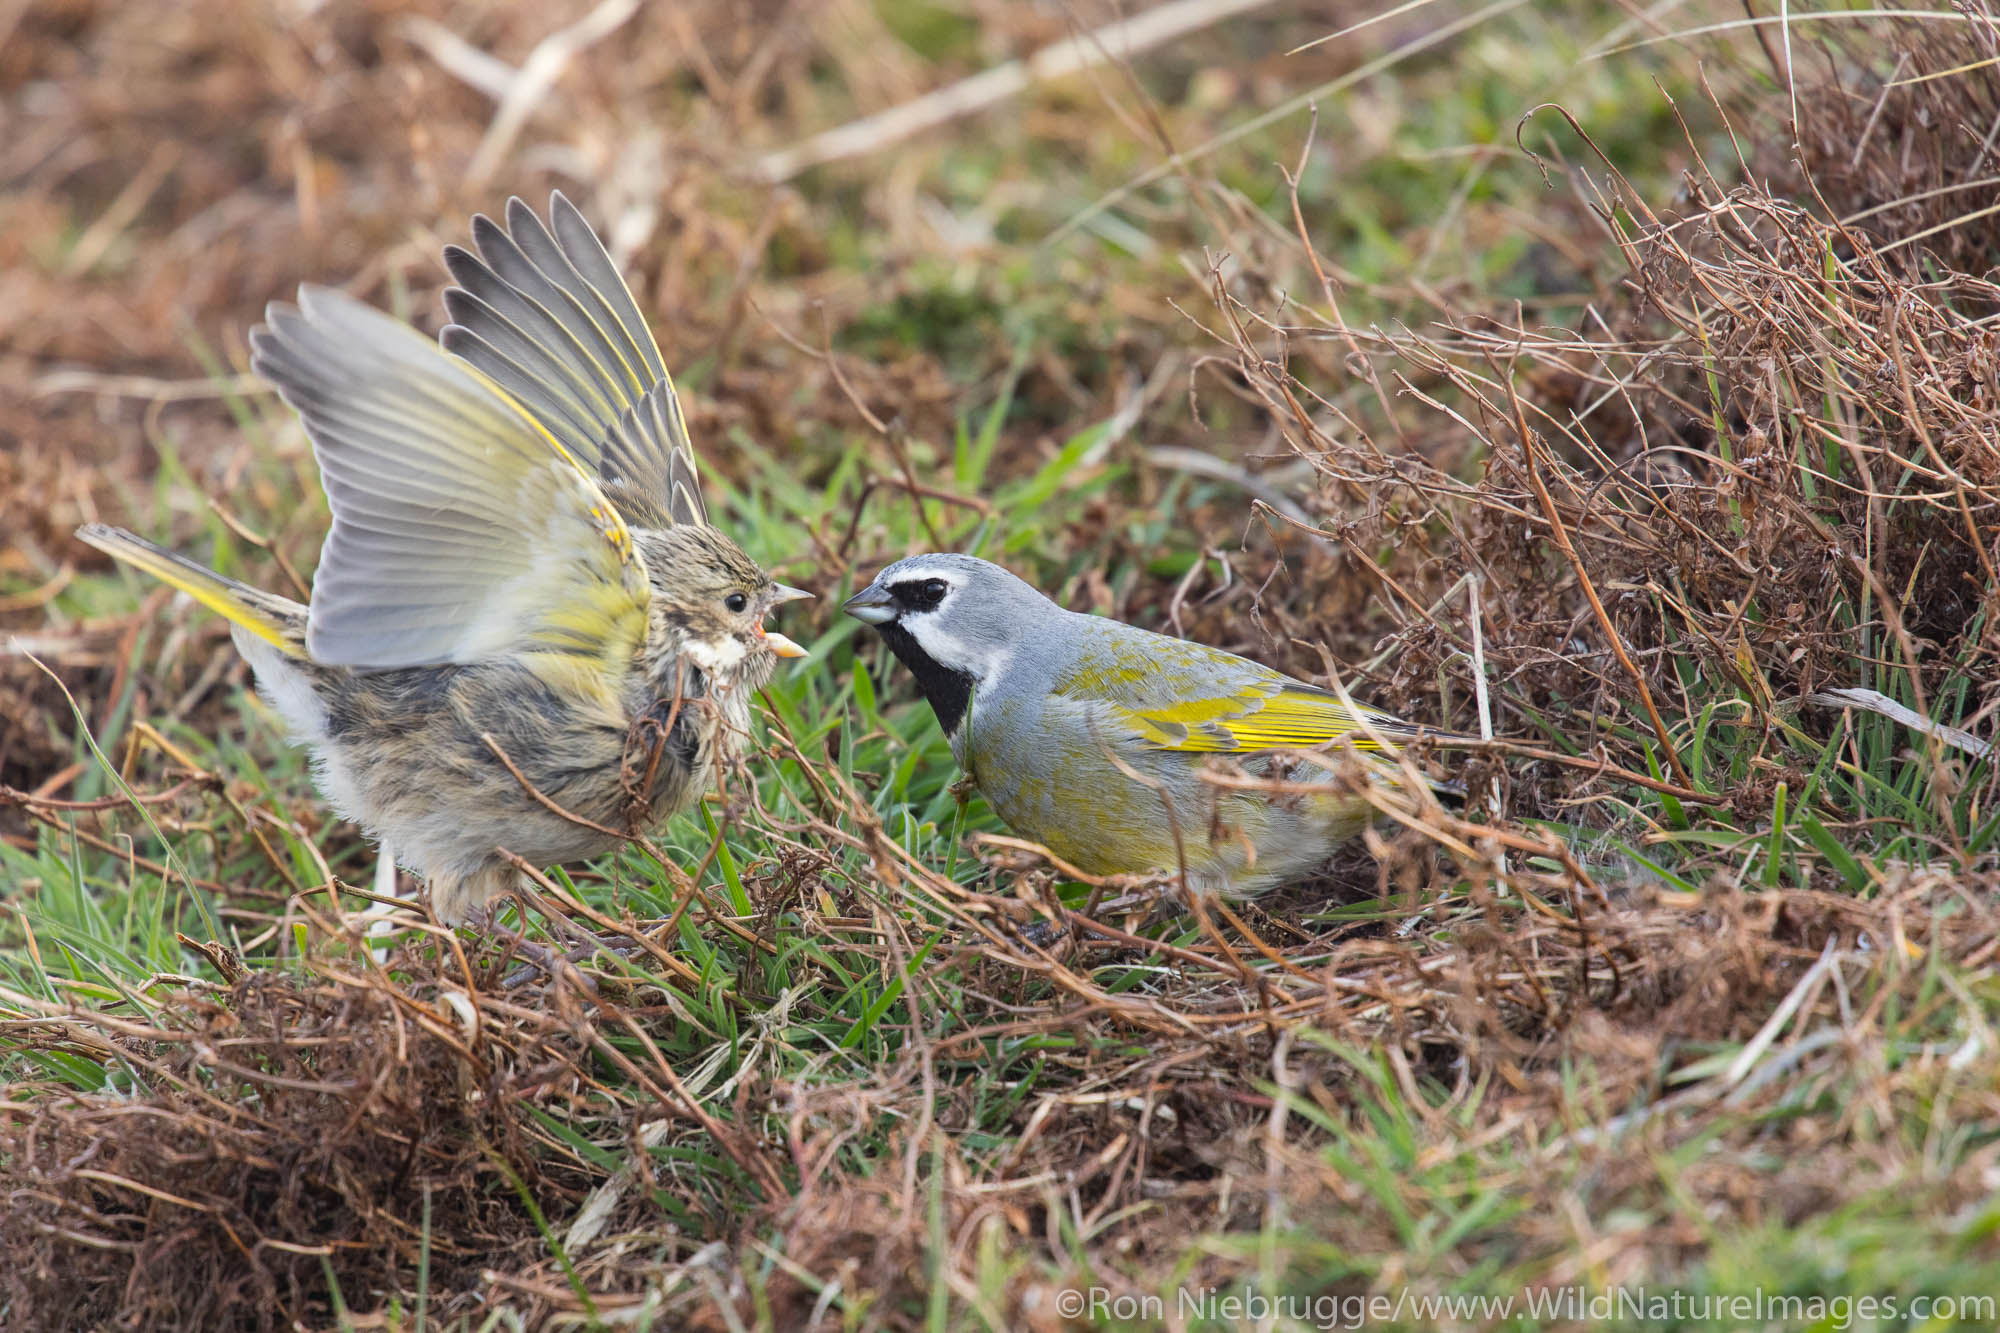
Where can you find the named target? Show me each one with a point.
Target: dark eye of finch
(736, 601)
(934, 590)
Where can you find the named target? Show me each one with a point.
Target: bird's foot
(547, 962)
(1045, 934)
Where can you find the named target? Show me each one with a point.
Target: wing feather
(1173, 695)
(545, 316)
(462, 531)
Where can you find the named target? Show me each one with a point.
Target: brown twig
(1561, 533)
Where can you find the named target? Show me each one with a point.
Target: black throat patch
(948, 689)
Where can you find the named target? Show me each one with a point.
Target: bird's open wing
(461, 531)
(1173, 695)
(546, 317)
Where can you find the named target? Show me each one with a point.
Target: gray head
(954, 621)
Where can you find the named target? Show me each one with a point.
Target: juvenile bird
(1090, 737)
(524, 634)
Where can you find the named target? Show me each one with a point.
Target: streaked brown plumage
(521, 604)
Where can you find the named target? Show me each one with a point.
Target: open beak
(872, 605)
(783, 646)
(778, 643)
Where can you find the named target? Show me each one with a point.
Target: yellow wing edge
(275, 620)
(1294, 717)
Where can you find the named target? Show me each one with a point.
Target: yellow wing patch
(1258, 717)
(1170, 694)
(463, 530)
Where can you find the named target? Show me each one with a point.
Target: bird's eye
(919, 595)
(736, 601)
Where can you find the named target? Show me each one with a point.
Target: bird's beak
(778, 643)
(872, 605)
(783, 646)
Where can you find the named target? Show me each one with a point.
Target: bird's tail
(1449, 790)
(278, 621)
(1399, 731)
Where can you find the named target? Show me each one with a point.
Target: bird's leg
(588, 944)
(538, 957)
(1155, 897)
(1153, 890)
(380, 913)
(475, 900)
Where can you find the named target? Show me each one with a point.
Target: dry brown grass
(335, 1121)
(1769, 453)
